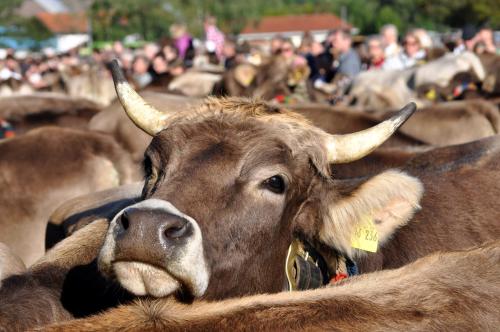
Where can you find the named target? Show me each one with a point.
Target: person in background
(160, 72)
(376, 53)
(118, 49)
(468, 41)
(11, 69)
(182, 39)
(485, 36)
(287, 50)
(150, 50)
(314, 58)
(140, 75)
(424, 38)
(170, 53)
(389, 34)
(349, 63)
(229, 54)
(126, 60)
(214, 36)
(306, 43)
(276, 44)
(412, 54)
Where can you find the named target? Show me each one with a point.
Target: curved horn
(350, 147)
(144, 116)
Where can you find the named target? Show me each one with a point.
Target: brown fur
(454, 122)
(345, 120)
(440, 124)
(82, 210)
(42, 169)
(235, 139)
(447, 291)
(491, 84)
(10, 263)
(114, 121)
(42, 109)
(34, 298)
(246, 229)
(423, 159)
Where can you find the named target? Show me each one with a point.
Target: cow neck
(305, 267)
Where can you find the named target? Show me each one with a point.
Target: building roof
(309, 22)
(61, 23)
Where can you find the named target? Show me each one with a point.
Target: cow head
(229, 185)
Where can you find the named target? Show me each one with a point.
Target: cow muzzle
(154, 249)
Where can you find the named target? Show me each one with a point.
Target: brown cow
(452, 122)
(45, 167)
(478, 154)
(440, 124)
(440, 292)
(26, 112)
(274, 77)
(278, 165)
(270, 170)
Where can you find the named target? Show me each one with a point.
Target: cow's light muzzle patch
(183, 266)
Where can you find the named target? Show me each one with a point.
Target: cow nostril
(124, 221)
(175, 231)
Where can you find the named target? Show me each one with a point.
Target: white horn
(144, 116)
(351, 147)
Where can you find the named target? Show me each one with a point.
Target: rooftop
(60, 23)
(311, 22)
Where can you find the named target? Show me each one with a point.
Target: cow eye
(276, 184)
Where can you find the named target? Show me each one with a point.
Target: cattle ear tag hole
(365, 236)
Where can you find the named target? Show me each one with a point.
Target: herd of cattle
(179, 213)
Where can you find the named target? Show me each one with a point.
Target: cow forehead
(244, 126)
(239, 112)
(221, 145)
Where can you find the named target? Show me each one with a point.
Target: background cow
(45, 167)
(27, 112)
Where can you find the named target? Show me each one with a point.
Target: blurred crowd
(338, 58)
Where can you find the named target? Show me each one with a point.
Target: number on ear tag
(365, 235)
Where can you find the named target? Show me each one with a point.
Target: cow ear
(244, 74)
(380, 205)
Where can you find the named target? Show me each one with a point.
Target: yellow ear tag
(365, 235)
(431, 94)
